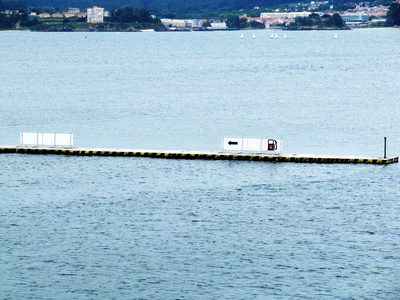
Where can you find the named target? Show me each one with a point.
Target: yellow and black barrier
(203, 155)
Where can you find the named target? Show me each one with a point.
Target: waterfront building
(195, 23)
(354, 17)
(173, 23)
(180, 24)
(378, 13)
(57, 15)
(284, 15)
(218, 26)
(73, 11)
(44, 16)
(95, 15)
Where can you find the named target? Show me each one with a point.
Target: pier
(201, 155)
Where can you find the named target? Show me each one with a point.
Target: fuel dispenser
(272, 145)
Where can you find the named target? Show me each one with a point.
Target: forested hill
(175, 6)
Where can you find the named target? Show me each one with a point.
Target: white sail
(276, 36)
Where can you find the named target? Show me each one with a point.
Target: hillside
(175, 6)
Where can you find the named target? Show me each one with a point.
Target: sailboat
(284, 36)
(335, 36)
(241, 36)
(272, 36)
(254, 35)
(276, 36)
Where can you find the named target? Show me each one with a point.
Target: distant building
(180, 24)
(44, 15)
(250, 19)
(95, 15)
(355, 17)
(73, 10)
(57, 15)
(173, 23)
(284, 15)
(195, 23)
(378, 13)
(218, 26)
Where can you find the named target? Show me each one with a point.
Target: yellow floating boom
(174, 154)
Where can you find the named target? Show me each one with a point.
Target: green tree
(131, 14)
(393, 15)
(337, 20)
(255, 24)
(300, 21)
(30, 22)
(233, 21)
(315, 18)
(327, 20)
(309, 22)
(5, 22)
(49, 9)
(15, 5)
(243, 23)
(207, 24)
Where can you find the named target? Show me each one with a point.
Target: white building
(73, 10)
(44, 16)
(173, 23)
(182, 23)
(194, 23)
(284, 15)
(218, 26)
(95, 15)
(354, 17)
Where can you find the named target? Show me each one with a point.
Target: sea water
(140, 228)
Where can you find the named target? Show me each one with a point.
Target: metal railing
(38, 139)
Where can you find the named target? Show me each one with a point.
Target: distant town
(312, 15)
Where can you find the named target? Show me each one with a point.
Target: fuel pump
(272, 145)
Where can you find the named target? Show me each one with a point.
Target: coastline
(245, 29)
(375, 28)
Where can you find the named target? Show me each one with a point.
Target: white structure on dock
(40, 139)
(251, 145)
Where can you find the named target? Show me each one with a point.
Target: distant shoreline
(375, 28)
(247, 29)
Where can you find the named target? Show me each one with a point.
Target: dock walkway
(205, 155)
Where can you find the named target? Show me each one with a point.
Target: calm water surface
(137, 228)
